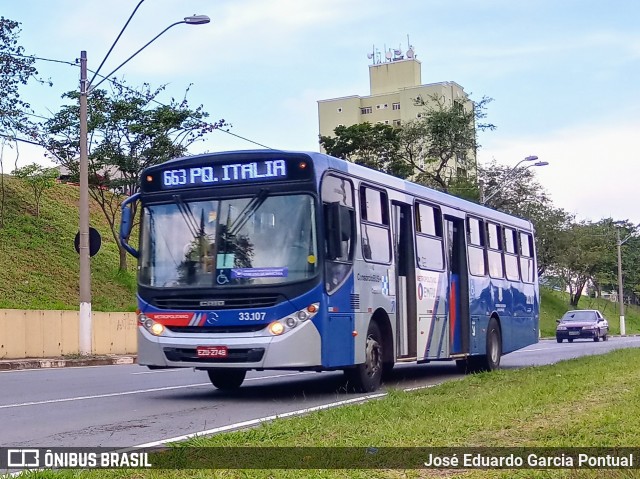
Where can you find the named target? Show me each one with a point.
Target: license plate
(574, 333)
(212, 351)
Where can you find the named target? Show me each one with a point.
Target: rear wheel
(570, 340)
(367, 377)
(227, 379)
(596, 338)
(605, 337)
(559, 340)
(489, 361)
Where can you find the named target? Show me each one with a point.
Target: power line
(115, 82)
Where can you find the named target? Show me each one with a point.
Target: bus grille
(355, 301)
(252, 355)
(217, 329)
(228, 302)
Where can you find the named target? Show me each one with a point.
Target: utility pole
(85, 326)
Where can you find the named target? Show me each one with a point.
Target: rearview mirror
(558, 320)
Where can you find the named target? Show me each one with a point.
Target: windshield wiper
(248, 211)
(189, 218)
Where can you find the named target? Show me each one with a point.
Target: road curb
(45, 363)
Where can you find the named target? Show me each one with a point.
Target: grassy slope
(39, 267)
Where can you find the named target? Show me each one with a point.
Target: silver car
(582, 324)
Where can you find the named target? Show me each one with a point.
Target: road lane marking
(260, 420)
(128, 393)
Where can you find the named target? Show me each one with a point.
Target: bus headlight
(290, 322)
(157, 329)
(150, 325)
(276, 328)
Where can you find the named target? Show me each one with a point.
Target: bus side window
(511, 255)
(429, 237)
(494, 251)
(476, 242)
(375, 227)
(526, 257)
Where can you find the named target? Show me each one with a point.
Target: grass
(586, 402)
(39, 267)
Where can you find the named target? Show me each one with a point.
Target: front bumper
(579, 334)
(297, 348)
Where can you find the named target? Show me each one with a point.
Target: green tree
(39, 179)
(375, 146)
(16, 70)
(127, 132)
(586, 253)
(444, 140)
(437, 150)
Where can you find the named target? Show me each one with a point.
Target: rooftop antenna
(411, 53)
(372, 54)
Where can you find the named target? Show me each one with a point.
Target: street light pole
(619, 244)
(86, 324)
(509, 176)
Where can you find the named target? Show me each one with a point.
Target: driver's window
(339, 191)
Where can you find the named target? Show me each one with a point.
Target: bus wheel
(226, 379)
(491, 360)
(367, 377)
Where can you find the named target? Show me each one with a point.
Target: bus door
(406, 323)
(458, 285)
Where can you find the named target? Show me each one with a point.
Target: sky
(563, 75)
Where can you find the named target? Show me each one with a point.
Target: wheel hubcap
(374, 360)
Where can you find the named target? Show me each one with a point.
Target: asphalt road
(128, 405)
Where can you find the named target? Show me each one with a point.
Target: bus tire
(227, 379)
(491, 360)
(367, 377)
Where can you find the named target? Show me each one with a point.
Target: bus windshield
(220, 243)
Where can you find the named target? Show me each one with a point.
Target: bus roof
(324, 162)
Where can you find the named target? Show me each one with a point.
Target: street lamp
(86, 87)
(619, 243)
(510, 176)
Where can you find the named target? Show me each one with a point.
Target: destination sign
(211, 175)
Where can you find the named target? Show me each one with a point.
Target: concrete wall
(42, 334)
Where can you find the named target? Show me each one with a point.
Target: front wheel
(227, 379)
(367, 377)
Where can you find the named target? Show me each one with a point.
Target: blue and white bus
(254, 260)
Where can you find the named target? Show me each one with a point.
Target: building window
(419, 115)
(396, 106)
(339, 110)
(396, 122)
(366, 110)
(382, 106)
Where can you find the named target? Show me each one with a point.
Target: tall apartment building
(395, 84)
